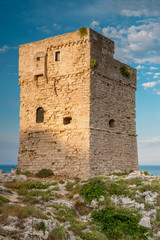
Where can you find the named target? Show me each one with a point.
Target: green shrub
(145, 172)
(153, 187)
(42, 227)
(125, 71)
(94, 63)
(95, 235)
(83, 32)
(61, 181)
(58, 234)
(82, 208)
(43, 173)
(26, 173)
(116, 189)
(3, 200)
(29, 185)
(119, 224)
(70, 186)
(63, 213)
(77, 227)
(93, 190)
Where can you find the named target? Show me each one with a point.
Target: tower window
(38, 58)
(67, 120)
(40, 115)
(112, 123)
(57, 56)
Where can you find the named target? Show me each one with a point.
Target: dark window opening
(38, 58)
(57, 56)
(40, 115)
(67, 120)
(112, 123)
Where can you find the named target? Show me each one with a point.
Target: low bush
(153, 187)
(93, 190)
(26, 173)
(70, 186)
(63, 213)
(94, 63)
(58, 234)
(116, 189)
(83, 32)
(43, 173)
(29, 185)
(42, 227)
(119, 224)
(94, 235)
(125, 71)
(82, 208)
(3, 200)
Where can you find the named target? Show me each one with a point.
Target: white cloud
(153, 68)
(139, 44)
(43, 29)
(158, 92)
(6, 47)
(149, 73)
(140, 67)
(151, 140)
(56, 26)
(157, 74)
(137, 13)
(94, 24)
(149, 84)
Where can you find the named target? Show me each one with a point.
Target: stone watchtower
(76, 119)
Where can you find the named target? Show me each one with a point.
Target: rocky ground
(104, 207)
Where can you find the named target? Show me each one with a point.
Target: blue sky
(133, 25)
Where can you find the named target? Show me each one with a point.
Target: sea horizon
(153, 169)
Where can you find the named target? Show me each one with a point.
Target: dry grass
(20, 212)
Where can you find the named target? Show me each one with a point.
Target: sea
(153, 169)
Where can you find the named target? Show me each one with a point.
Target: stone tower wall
(69, 88)
(62, 88)
(112, 98)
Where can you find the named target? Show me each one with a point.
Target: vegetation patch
(94, 63)
(29, 185)
(125, 71)
(63, 213)
(58, 234)
(153, 187)
(44, 173)
(119, 224)
(83, 32)
(26, 173)
(94, 235)
(70, 186)
(116, 189)
(82, 208)
(3, 200)
(93, 190)
(21, 212)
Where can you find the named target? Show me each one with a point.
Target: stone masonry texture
(89, 123)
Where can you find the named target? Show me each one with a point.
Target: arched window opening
(112, 123)
(40, 115)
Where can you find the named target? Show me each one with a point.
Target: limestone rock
(145, 222)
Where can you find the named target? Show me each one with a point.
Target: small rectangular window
(57, 56)
(38, 58)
